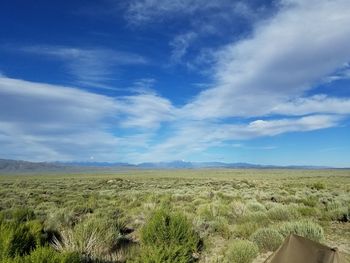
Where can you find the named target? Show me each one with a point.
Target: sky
(136, 81)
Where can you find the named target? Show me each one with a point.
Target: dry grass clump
(95, 238)
(239, 209)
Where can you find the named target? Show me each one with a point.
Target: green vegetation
(241, 251)
(177, 216)
(168, 237)
(306, 229)
(267, 239)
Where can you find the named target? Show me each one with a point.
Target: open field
(108, 217)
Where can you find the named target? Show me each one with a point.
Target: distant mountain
(16, 166)
(95, 164)
(167, 165)
(24, 166)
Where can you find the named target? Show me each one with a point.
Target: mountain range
(17, 166)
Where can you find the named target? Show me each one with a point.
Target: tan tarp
(296, 249)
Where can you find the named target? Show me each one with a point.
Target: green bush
(259, 217)
(283, 213)
(45, 255)
(308, 211)
(22, 215)
(255, 206)
(267, 239)
(311, 201)
(16, 239)
(245, 230)
(220, 226)
(303, 228)
(340, 214)
(318, 186)
(17, 215)
(241, 251)
(168, 237)
(49, 255)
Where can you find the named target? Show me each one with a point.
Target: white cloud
(284, 58)
(314, 104)
(190, 138)
(145, 111)
(48, 122)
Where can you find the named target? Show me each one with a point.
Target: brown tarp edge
(297, 249)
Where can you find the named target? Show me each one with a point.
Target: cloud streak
(91, 67)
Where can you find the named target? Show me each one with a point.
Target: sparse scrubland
(169, 216)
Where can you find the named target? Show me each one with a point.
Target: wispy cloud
(180, 45)
(91, 67)
(141, 11)
(205, 21)
(247, 147)
(343, 73)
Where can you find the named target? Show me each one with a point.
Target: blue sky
(144, 80)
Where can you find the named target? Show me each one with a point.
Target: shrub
(318, 186)
(15, 239)
(168, 237)
(267, 239)
(17, 215)
(36, 229)
(303, 228)
(283, 213)
(49, 255)
(311, 201)
(238, 209)
(245, 230)
(336, 211)
(241, 251)
(220, 226)
(309, 211)
(45, 255)
(341, 214)
(23, 215)
(94, 238)
(260, 218)
(256, 206)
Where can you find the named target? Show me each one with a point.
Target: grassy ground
(222, 206)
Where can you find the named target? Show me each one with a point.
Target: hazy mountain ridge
(12, 166)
